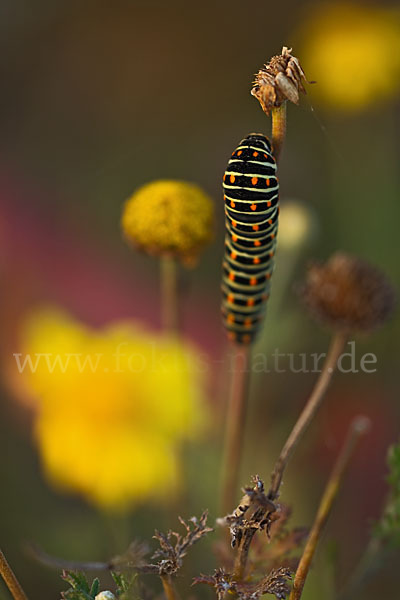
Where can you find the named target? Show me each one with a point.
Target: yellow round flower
(113, 407)
(172, 218)
(353, 54)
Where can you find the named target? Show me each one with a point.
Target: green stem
(169, 295)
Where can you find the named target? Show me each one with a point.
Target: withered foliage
(254, 512)
(279, 80)
(174, 546)
(277, 582)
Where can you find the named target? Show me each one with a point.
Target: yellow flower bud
(169, 218)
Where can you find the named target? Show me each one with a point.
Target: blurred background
(99, 98)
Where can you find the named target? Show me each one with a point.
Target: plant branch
(11, 581)
(337, 344)
(278, 129)
(169, 294)
(358, 428)
(236, 417)
(313, 403)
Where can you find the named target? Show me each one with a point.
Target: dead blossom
(348, 294)
(174, 546)
(279, 80)
(277, 582)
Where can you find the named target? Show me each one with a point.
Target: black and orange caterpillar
(251, 195)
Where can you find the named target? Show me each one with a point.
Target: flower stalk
(278, 115)
(10, 579)
(169, 294)
(358, 428)
(169, 588)
(313, 403)
(236, 416)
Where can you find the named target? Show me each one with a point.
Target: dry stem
(278, 129)
(169, 294)
(236, 417)
(313, 403)
(337, 344)
(10, 579)
(169, 588)
(357, 429)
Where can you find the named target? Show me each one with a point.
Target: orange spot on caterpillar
(254, 180)
(234, 223)
(256, 260)
(257, 243)
(271, 254)
(233, 255)
(272, 235)
(265, 155)
(246, 339)
(255, 228)
(231, 336)
(234, 237)
(255, 154)
(268, 276)
(239, 153)
(232, 204)
(250, 302)
(232, 276)
(232, 179)
(247, 322)
(269, 203)
(270, 221)
(230, 298)
(253, 281)
(267, 182)
(230, 318)
(253, 206)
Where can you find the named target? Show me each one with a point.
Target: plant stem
(11, 581)
(337, 344)
(169, 294)
(357, 429)
(278, 129)
(236, 417)
(169, 588)
(313, 403)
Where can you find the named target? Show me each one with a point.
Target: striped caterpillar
(251, 195)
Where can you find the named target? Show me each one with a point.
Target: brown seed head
(348, 293)
(279, 80)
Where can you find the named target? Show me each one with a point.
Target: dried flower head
(348, 293)
(279, 80)
(174, 546)
(169, 218)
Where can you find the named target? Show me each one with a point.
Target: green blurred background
(100, 97)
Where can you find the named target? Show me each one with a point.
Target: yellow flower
(113, 407)
(353, 53)
(296, 225)
(172, 218)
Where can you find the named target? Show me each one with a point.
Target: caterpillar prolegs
(251, 195)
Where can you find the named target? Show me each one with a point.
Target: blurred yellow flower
(172, 218)
(297, 225)
(353, 53)
(113, 406)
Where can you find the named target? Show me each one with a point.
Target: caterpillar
(251, 196)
